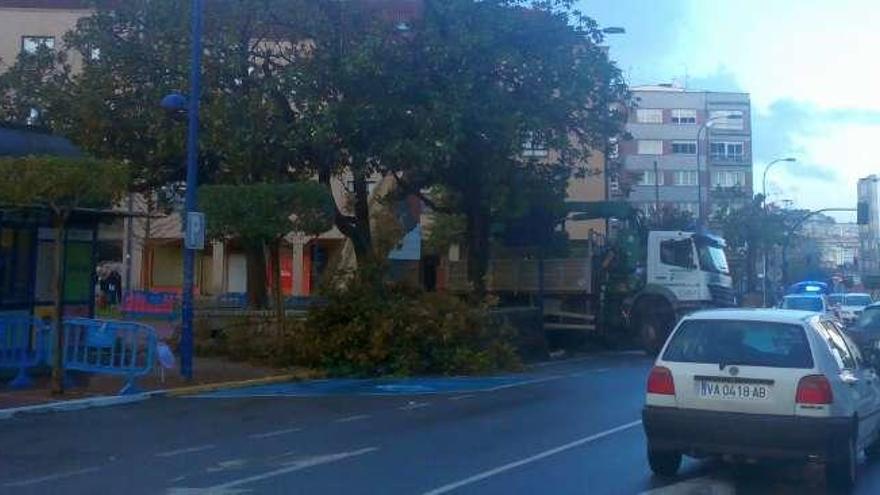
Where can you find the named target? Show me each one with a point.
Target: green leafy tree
(477, 80)
(669, 218)
(751, 229)
(259, 216)
(60, 186)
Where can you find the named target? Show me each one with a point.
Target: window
(845, 358)
(371, 186)
(684, 147)
(684, 178)
(650, 147)
(858, 300)
(651, 178)
(743, 343)
(728, 178)
(649, 116)
(720, 121)
(687, 207)
(533, 146)
(677, 253)
(726, 151)
(32, 44)
(94, 54)
(684, 116)
(647, 209)
(803, 303)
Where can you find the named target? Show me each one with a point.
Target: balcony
(730, 192)
(727, 159)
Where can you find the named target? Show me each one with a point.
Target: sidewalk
(207, 371)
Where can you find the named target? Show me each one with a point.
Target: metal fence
(24, 343)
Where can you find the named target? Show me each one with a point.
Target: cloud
(723, 79)
(649, 39)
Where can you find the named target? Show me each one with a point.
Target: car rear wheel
(664, 463)
(841, 473)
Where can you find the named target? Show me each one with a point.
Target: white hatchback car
(767, 383)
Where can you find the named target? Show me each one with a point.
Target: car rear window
(746, 343)
(802, 303)
(858, 300)
(870, 318)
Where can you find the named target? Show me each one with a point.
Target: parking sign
(195, 230)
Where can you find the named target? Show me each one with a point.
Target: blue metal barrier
(237, 300)
(110, 347)
(23, 344)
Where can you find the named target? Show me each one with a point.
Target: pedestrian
(114, 288)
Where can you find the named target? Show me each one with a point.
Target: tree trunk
(362, 238)
(275, 254)
(477, 248)
(146, 275)
(750, 267)
(256, 275)
(59, 221)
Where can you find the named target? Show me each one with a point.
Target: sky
(811, 66)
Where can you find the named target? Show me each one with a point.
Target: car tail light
(814, 389)
(660, 381)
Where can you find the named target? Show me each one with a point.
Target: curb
(116, 400)
(77, 404)
(211, 387)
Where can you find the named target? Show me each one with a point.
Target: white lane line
(276, 433)
(188, 450)
(577, 375)
(292, 467)
(414, 405)
(602, 370)
(528, 460)
(524, 383)
(462, 397)
(51, 477)
(349, 419)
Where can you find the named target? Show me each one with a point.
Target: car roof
(772, 315)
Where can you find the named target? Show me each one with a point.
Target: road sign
(194, 237)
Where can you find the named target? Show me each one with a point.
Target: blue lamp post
(179, 104)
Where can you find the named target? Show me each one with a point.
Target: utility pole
(656, 188)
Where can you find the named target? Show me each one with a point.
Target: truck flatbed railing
(520, 276)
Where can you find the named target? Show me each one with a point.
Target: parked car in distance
(849, 306)
(866, 329)
(762, 384)
(805, 302)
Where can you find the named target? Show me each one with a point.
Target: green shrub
(371, 328)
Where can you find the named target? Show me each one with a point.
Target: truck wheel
(654, 327)
(840, 474)
(664, 463)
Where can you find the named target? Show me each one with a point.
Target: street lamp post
(764, 209)
(707, 124)
(178, 104)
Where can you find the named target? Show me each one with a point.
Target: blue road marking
(380, 386)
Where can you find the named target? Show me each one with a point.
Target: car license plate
(732, 391)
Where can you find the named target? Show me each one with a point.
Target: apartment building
(687, 147)
(869, 229)
(25, 25)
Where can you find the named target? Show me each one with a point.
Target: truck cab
(691, 268)
(684, 272)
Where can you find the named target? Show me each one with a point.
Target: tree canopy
(263, 212)
(61, 184)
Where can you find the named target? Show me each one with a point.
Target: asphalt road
(566, 428)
